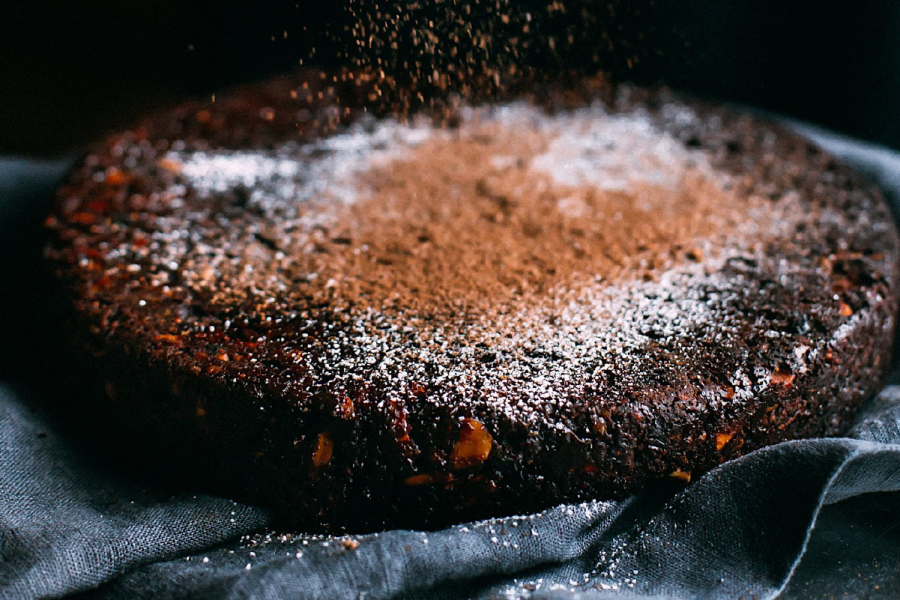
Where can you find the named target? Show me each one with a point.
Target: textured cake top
(547, 261)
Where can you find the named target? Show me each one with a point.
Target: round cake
(365, 321)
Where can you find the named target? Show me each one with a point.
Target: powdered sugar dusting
(478, 320)
(587, 147)
(220, 172)
(327, 170)
(611, 152)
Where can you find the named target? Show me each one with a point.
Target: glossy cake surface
(369, 322)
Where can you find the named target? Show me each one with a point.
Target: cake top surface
(535, 261)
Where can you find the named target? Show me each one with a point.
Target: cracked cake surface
(366, 322)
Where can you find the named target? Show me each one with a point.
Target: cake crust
(370, 322)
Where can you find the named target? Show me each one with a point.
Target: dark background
(71, 70)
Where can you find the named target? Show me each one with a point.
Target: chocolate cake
(366, 321)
